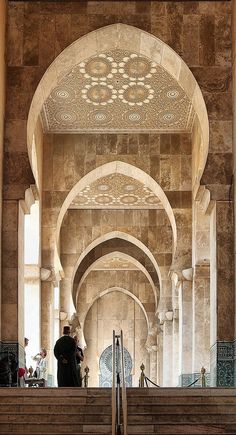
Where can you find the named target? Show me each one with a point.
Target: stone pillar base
(15, 353)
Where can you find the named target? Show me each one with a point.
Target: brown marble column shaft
(201, 318)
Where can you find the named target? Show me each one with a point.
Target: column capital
(49, 274)
(165, 316)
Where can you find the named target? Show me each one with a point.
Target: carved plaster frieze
(117, 90)
(116, 191)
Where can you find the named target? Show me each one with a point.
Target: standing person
(26, 342)
(79, 358)
(41, 368)
(64, 351)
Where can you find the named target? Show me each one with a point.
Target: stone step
(58, 428)
(41, 407)
(76, 401)
(181, 429)
(180, 409)
(55, 417)
(216, 418)
(98, 408)
(55, 392)
(160, 400)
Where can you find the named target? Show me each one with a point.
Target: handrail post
(124, 396)
(203, 377)
(113, 384)
(142, 376)
(86, 377)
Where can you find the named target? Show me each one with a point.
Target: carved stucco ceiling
(116, 191)
(114, 262)
(117, 91)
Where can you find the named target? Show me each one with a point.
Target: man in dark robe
(65, 353)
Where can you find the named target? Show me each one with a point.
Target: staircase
(87, 411)
(55, 410)
(181, 411)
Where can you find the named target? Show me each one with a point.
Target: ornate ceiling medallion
(100, 67)
(99, 94)
(111, 83)
(100, 117)
(136, 94)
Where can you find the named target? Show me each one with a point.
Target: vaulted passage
(117, 207)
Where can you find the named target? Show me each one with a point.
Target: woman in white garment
(41, 367)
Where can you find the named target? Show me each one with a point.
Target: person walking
(65, 353)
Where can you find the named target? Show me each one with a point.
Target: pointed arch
(124, 169)
(124, 291)
(126, 257)
(109, 236)
(121, 36)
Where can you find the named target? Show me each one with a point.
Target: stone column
(185, 331)
(175, 333)
(160, 356)
(175, 352)
(47, 323)
(201, 319)
(153, 363)
(167, 349)
(12, 303)
(234, 168)
(65, 302)
(222, 295)
(2, 111)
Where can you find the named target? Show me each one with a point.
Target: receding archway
(125, 257)
(125, 169)
(77, 274)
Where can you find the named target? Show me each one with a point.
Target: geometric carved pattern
(117, 90)
(105, 366)
(222, 364)
(114, 262)
(116, 191)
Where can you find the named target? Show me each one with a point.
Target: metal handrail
(143, 379)
(147, 379)
(118, 385)
(193, 383)
(124, 395)
(114, 384)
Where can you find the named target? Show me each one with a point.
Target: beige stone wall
(134, 281)
(115, 311)
(2, 102)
